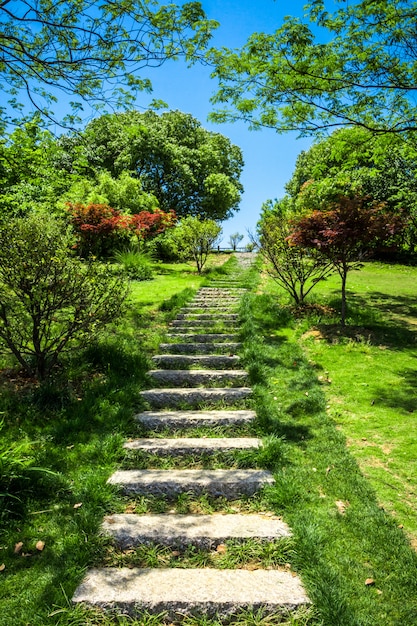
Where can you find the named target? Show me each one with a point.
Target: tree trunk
(343, 316)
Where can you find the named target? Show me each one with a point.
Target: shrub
(102, 230)
(136, 265)
(49, 300)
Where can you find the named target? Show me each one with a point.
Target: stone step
(215, 303)
(222, 291)
(180, 592)
(159, 420)
(208, 316)
(200, 348)
(224, 483)
(192, 445)
(203, 323)
(220, 361)
(161, 398)
(203, 531)
(202, 337)
(197, 378)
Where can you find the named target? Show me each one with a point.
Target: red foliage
(100, 228)
(347, 230)
(146, 224)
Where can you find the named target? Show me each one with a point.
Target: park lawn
(369, 375)
(73, 426)
(342, 539)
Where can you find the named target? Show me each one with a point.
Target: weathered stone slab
(196, 378)
(202, 337)
(160, 398)
(203, 531)
(200, 348)
(192, 445)
(212, 317)
(191, 591)
(157, 420)
(218, 483)
(203, 323)
(220, 361)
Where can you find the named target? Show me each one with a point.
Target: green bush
(135, 264)
(50, 301)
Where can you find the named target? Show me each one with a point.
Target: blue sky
(269, 157)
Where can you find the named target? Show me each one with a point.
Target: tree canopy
(354, 66)
(189, 169)
(92, 51)
(354, 162)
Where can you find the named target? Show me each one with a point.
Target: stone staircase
(196, 374)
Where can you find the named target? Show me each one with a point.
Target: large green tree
(188, 169)
(89, 50)
(355, 64)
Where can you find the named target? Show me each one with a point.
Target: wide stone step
(203, 531)
(204, 323)
(200, 348)
(220, 361)
(212, 317)
(159, 420)
(160, 398)
(213, 305)
(192, 445)
(218, 483)
(197, 378)
(181, 592)
(202, 337)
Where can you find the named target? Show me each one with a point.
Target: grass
(319, 405)
(74, 427)
(343, 405)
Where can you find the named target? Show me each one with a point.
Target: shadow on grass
(404, 397)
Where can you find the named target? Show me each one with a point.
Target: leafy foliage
(50, 301)
(196, 237)
(353, 66)
(354, 162)
(292, 267)
(101, 229)
(345, 233)
(187, 168)
(234, 240)
(136, 264)
(92, 51)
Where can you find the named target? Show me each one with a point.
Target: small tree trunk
(343, 312)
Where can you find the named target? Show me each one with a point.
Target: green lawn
(335, 408)
(369, 374)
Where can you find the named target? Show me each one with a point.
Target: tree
(195, 238)
(91, 51)
(296, 269)
(189, 169)
(354, 162)
(234, 240)
(102, 230)
(345, 233)
(355, 66)
(30, 173)
(49, 300)
(123, 193)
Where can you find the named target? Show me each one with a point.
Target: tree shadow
(377, 319)
(404, 397)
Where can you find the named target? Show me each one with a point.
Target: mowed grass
(354, 556)
(353, 547)
(60, 441)
(369, 375)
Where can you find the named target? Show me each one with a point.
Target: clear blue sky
(269, 158)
